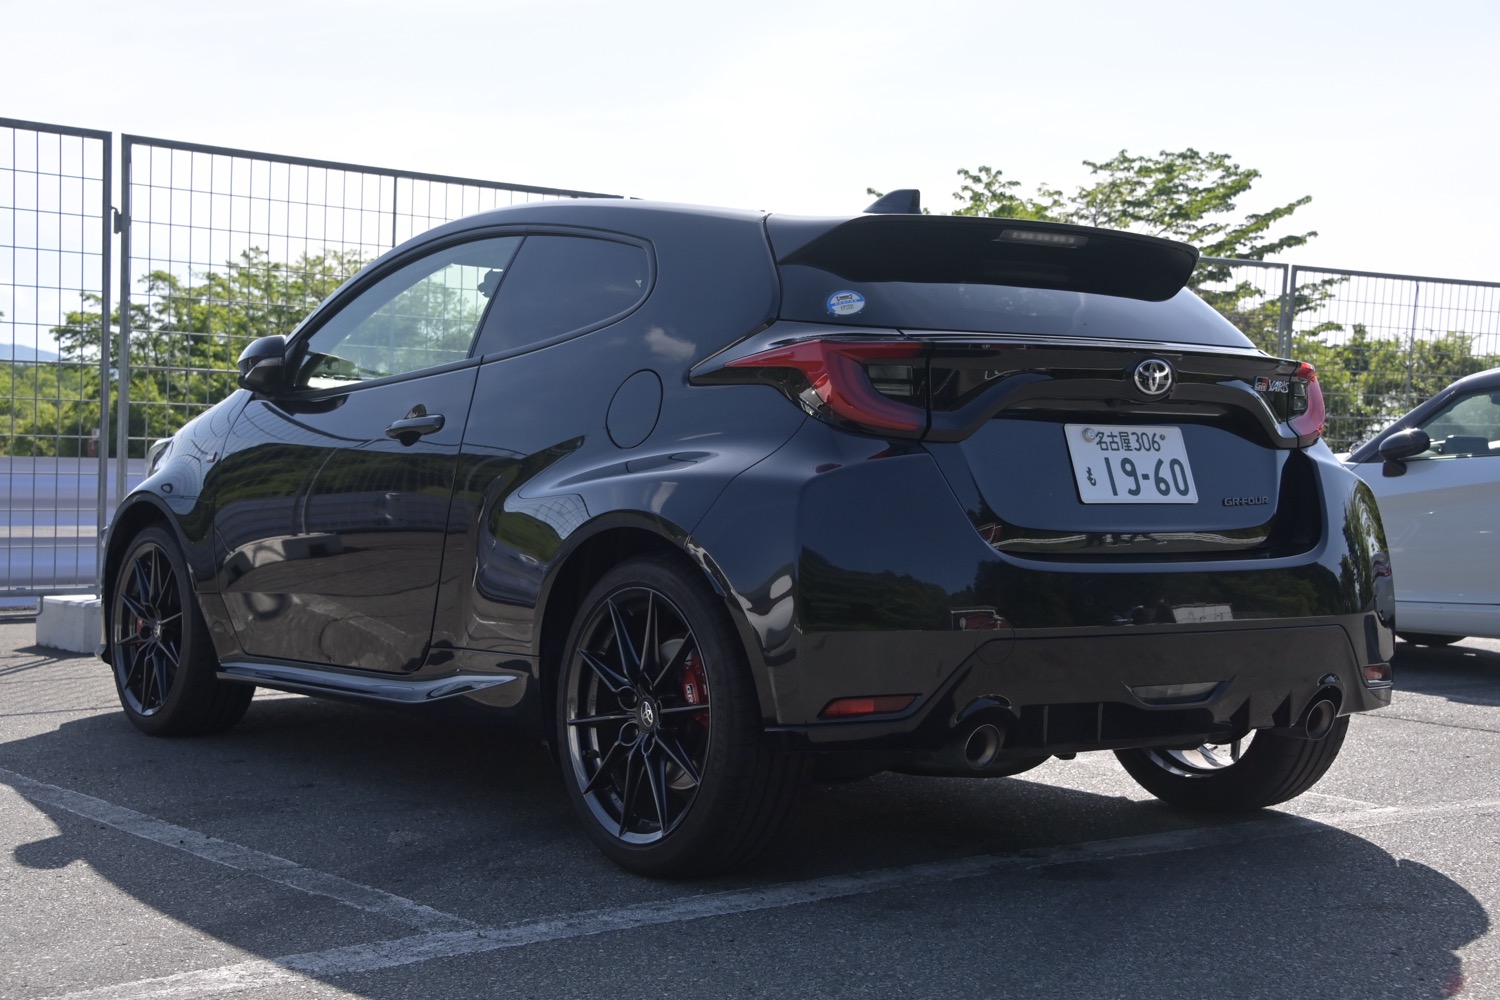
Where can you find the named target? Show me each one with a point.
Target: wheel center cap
(647, 714)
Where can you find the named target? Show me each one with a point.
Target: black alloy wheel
(163, 659)
(1264, 768)
(659, 730)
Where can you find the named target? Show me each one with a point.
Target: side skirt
(378, 688)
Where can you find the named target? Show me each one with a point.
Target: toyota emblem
(1153, 377)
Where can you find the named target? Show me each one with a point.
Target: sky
(1387, 114)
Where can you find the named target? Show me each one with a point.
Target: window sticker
(845, 303)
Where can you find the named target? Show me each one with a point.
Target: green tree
(185, 334)
(1186, 195)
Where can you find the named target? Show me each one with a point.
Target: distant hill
(21, 352)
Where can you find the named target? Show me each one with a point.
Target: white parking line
(308, 967)
(266, 866)
(1339, 798)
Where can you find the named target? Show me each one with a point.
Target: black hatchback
(718, 501)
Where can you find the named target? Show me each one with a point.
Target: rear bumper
(886, 588)
(1065, 694)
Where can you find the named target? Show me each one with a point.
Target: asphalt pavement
(323, 849)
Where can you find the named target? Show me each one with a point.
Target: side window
(558, 284)
(424, 315)
(1469, 426)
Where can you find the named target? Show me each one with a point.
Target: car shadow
(1462, 672)
(454, 811)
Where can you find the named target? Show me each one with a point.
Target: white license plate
(1130, 464)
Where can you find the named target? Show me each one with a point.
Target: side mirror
(262, 364)
(1400, 446)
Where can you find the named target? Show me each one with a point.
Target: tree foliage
(1187, 195)
(1369, 381)
(1195, 197)
(185, 334)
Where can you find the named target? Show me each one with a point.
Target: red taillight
(843, 708)
(835, 372)
(1309, 423)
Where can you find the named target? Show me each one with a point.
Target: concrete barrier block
(71, 622)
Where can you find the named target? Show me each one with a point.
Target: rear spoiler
(951, 249)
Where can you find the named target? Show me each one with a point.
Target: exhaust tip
(983, 746)
(1320, 718)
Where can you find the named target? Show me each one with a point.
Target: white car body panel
(1442, 525)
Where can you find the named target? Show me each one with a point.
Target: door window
(1468, 426)
(423, 315)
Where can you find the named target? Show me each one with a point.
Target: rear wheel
(1264, 768)
(659, 727)
(163, 658)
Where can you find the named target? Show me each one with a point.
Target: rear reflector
(843, 708)
(1377, 674)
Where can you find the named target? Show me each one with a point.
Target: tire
(658, 727)
(1428, 638)
(1271, 767)
(163, 659)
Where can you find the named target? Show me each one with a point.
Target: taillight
(861, 382)
(1308, 411)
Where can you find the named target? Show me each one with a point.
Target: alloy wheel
(147, 629)
(1209, 758)
(638, 715)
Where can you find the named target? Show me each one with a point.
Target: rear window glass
(813, 295)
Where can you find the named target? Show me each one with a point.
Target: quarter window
(560, 284)
(424, 315)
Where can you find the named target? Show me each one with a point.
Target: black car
(719, 501)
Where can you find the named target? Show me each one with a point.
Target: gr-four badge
(845, 303)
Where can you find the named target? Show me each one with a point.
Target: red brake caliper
(695, 687)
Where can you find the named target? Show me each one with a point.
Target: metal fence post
(1287, 311)
(122, 365)
(1411, 341)
(106, 240)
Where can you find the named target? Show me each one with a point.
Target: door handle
(414, 425)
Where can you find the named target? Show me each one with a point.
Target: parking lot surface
(328, 850)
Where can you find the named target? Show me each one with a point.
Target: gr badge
(1264, 384)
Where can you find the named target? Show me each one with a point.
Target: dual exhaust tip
(980, 749)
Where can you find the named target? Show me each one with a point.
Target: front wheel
(659, 729)
(164, 663)
(1264, 768)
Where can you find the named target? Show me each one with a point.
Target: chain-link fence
(55, 190)
(221, 246)
(1382, 343)
(218, 246)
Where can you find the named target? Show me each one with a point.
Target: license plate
(1120, 464)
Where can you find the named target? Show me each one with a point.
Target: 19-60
(1167, 477)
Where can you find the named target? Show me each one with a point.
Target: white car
(1436, 474)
